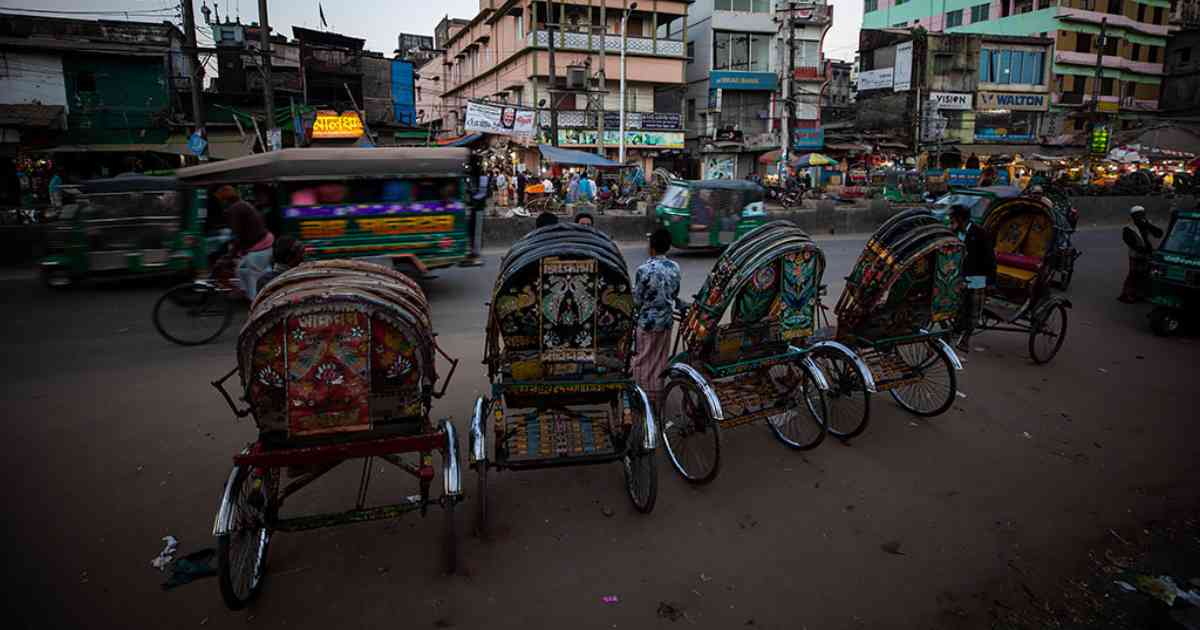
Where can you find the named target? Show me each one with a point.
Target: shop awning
(557, 155)
(220, 147)
(770, 157)
(814, 159)
(1162, 142)
(848, 147)
(460, 141)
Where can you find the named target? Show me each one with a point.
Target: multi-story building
(1122, 76)
(837, 99)
(1181, 87)
(982, 92)
(502, 54)
(738, 50)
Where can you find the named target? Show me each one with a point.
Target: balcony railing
(566, 40)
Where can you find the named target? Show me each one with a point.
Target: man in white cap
(1137, 236)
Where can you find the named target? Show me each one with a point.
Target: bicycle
(197, 312)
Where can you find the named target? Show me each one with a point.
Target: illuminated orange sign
(334, 125)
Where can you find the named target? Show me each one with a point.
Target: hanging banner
(504, 120)
(875, 79)
(808, 138)
(902, 77)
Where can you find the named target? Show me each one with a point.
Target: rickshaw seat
(1014, 275)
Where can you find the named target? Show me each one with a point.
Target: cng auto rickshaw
(129, 225)
(710, 213)
(1175, 274)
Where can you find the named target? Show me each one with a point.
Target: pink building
(502, 55)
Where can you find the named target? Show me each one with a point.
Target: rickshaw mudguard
(814, 372)
(1045, 305)
(222, 521)
(451, 474)
(476, 435)
(650, 437)
(864, 372)
(949, 352)
(710, 395)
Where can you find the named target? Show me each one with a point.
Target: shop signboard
(1098, 140)
(735, 80)
(963, 177)
(875, 79)
(955, 101)
(633, 139)
(808, 138)
(497, 119)
(1013, 101)
(902, 77)
(652, 121)
(330, 125)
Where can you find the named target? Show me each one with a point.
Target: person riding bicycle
(252, 241)
(978, 270)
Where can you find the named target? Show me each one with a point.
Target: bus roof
(332, 163)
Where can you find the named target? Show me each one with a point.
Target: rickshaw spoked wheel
(481, 498)
(847, 400)
(935, 386)
(794, 385)
(641, 473)
(192, 314)
(690, 434)
(242, 552)
(1047, 333)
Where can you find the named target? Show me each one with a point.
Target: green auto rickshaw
(129, 225)
(710, 213)
(1175, 274)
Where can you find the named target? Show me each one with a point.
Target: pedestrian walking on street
(522, 182)
(1137, 236)
(546, 218)
(978, 271)
(501, 189)
(655, 297)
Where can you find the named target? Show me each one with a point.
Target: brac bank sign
(1013, 101)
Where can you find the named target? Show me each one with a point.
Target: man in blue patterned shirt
(655, 294)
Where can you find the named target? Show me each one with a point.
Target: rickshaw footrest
(382, 512)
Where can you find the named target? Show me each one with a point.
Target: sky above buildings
(378, 21)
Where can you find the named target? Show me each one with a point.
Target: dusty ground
(115, 439)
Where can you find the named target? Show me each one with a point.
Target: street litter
(960, 394)
(669, 611)
(1126, 586)
(166, 555)
(892, 547)
(1102, 370)
(1161, 588)
(193, 566)
(610, 599)
(1026, 435)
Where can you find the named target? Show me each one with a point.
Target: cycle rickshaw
(1027, 236)
(744, 354)
(904, 284)
(336, 363)
(559, 343)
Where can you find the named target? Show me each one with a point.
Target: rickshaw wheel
(450, 544)
(1164, 321)
(847, 401)
(204, 313)
(481, 497)
(691, 435)
(641, 478)
(242, 553)
(937, 385)
(789, 426)
(1047, 334)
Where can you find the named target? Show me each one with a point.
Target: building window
(979, 12)
(85, 82)
(1043, 4)
(1083, 42)
(1153, 54)
(691, 51)
(1141, 14)
(985, 65)
(1115, 6)
(1019, 67)
(755, 6)
(900, 2)
(1110, 45)
(741, 51)
(954, 18)
(870, 5)
(1185, 55)
(1158, 16)
(1106, 86)
(691, 110)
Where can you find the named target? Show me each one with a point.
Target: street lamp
(621, 129)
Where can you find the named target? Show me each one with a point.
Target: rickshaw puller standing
(655, 296)
(979, 269)
(1134, 289)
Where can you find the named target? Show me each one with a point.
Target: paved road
(115, 439)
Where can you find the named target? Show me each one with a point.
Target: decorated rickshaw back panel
(323, 357)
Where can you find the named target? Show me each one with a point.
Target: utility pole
(603, 87)
(788, 88)
(189, 32)
(551, 21)
(264, 40)
(1096, 116)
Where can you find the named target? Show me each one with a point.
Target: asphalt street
(115, 439)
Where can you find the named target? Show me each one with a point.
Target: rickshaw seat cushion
(1015, 275)
(1019, 261)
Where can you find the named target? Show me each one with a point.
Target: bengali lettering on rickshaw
(378, 226)
(550, 389)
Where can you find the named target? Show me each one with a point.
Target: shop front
(1009, 117)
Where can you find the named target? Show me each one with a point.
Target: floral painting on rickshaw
(946, 276)
(798, 299)
(395, 373)
(266, 387)
(328, 377)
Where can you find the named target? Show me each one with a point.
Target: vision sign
(1013, 101)
(951, 100)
